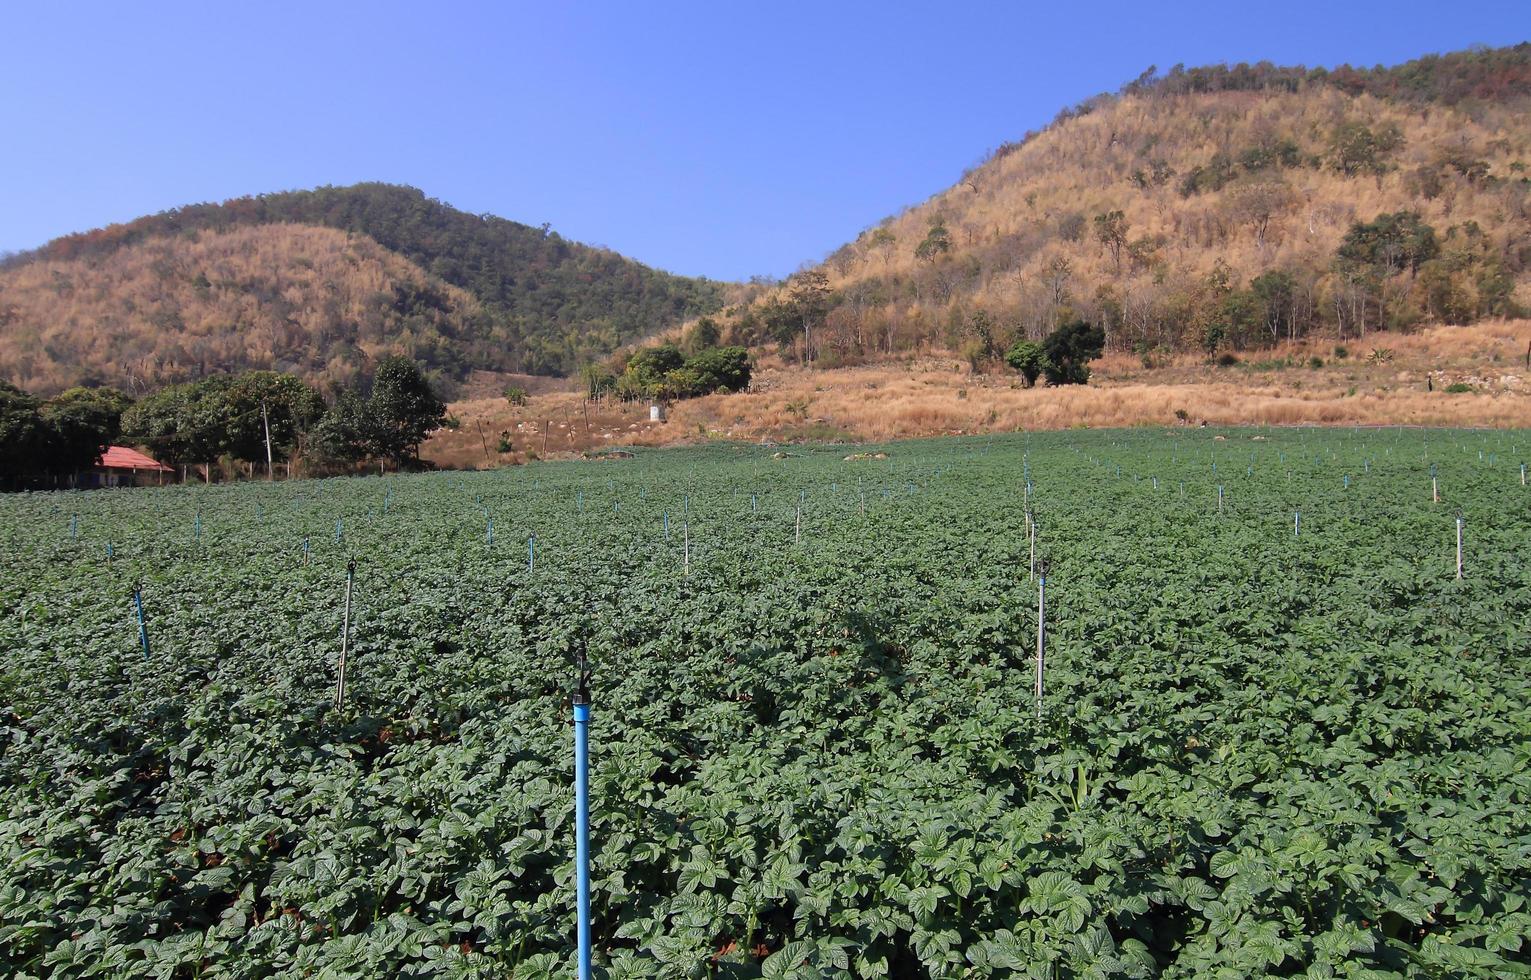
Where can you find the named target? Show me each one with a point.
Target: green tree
(937, 241)
(646, 371)
(1069, 349)
(1274, 290)
(702, 335)
(184, 423)
(1391, 243)
(261, 398)
(722, 369)
(22, 433)
(344, 433)
(78, 426)
(403, 410)
(810, 300)
(1111, 231)
(1028, 358)
(1357, 148)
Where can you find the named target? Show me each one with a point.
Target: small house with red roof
(120, 466)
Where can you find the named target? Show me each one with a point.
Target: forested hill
(318, 282)
(1215, 209)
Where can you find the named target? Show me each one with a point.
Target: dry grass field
(1404, 383)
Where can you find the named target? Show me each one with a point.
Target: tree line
(258, 418)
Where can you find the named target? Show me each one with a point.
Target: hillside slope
(480, 292)
(1213, 209)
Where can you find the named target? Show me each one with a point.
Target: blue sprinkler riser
(582, 833)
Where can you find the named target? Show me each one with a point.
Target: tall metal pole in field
(581, 705)
(1031, 534)
(266, 422)
(1459, 546)
(345, 638)
(1041, 631)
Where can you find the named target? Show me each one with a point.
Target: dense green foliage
(548, 303)
(231, 415)
(1477, 74)
(1257, 753)
(57, 436)
(1026, 356)
(1068, 351)
(666, 372)
(227, 414)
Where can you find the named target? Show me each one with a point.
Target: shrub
(515, 395)
(1069, 349)
(663, 372)
(1227, 360)
(1459, 388)
(1028, 358)
(1315, 362)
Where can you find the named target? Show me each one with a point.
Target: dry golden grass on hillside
(266, 296)
(939, 395)
(1023, 240)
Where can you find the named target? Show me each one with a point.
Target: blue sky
(720, 139)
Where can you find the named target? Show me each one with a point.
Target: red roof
(123, 458)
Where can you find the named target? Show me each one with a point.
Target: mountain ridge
(540, 303)
(1220, 208)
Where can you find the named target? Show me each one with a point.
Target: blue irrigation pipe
(531, 552)
(581, 705)
(138, 606)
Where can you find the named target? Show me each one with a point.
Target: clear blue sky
(721, 139)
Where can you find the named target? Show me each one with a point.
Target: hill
(1211, 209)
(317, 282)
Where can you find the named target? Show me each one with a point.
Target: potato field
(1278, 734)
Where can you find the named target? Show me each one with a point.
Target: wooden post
(1435, 491)
(483, 439)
